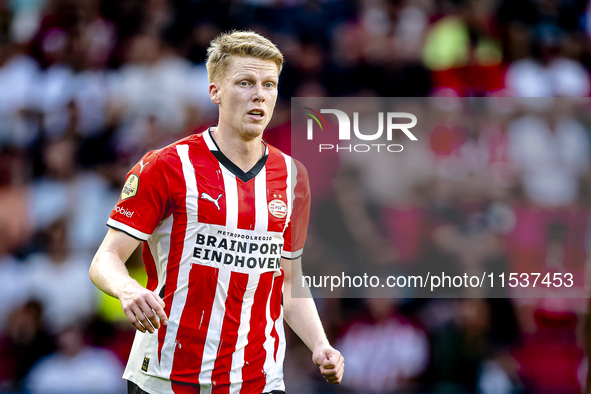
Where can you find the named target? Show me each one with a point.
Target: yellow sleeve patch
(130, 187)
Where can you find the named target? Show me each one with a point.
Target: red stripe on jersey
(246, 205)
(253, 375)
(302, 205)
(275, 308)
(221, 372)
(276, 186)
(192, 331)
(150, 265)
(212, 196)
(182, 388)
(177, 243)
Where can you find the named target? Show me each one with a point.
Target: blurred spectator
(60, 280)
(76, 368)
(19, 75)
(384, 350)
(461, 50)
(152, 91)
(84, 199)
(24, 341)
(548, 72)
(15, 226)
(552, 153)
(550, 355)
(15, 287)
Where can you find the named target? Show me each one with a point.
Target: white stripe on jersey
(209, 141)
(260, 202)
(292, 255)
(275, 382)
(180, 297)
(205, 388)
(243, 330)
(269, 344)
(231, 189)
(214, 330)
(159, 245)
(130, 230)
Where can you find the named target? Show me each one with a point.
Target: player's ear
(214, 92)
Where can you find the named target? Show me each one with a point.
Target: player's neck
(245, 154)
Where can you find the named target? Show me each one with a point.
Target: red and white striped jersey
(214, 237)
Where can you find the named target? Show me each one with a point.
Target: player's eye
(244, 83)
(269, 84)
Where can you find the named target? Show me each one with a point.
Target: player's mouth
(257, 114)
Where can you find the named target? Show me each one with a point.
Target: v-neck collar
(233, 168)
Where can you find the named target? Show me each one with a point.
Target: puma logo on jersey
(207, 197)
(142, 165)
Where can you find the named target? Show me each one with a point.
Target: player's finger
(328, 372)
(160, 301)
(336, 377)
(333, 372)
(340, 371)
(133, 320)
(157, 305)
(153, 321)
(332, 379)
(341, 368)
(332, 360)
(328, 364)
(340, 375)
(142, 318)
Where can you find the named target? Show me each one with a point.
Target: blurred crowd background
(88, 86)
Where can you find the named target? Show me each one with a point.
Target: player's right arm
(141, 207)
(108, 272)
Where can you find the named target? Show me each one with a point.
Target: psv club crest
(278, 208)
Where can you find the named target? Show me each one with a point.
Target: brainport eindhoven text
(237, 252)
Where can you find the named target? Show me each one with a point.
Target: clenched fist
(330, 362)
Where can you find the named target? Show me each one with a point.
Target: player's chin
(254, 129)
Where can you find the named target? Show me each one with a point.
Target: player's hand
(330, 362)
(143, 308)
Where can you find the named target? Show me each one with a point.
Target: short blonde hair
(239, 43)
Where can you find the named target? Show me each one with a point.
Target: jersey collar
(233, 168)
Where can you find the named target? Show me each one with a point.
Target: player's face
(246, 95)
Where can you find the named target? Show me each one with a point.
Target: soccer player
(223, 218)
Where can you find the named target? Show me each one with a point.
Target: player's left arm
(302, 316)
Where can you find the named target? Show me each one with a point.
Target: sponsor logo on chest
(243, 252)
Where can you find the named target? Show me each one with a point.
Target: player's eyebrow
(247, 72)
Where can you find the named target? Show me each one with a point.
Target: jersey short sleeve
(297, 228)
(143, 200)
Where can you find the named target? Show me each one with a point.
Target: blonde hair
(239, 43)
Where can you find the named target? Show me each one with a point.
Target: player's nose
(258, 93)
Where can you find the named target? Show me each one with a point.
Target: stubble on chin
(251, 131)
